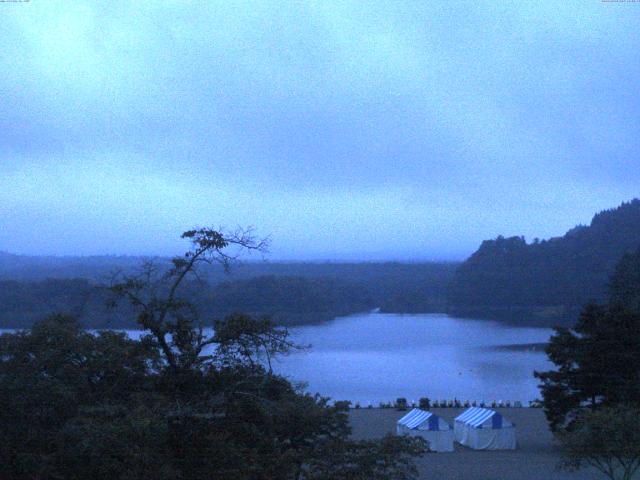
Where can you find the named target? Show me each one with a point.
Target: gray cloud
(387, 130)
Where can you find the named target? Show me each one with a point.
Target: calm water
(374, 357)
(378, 357)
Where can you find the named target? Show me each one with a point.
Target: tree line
(291, 294)
(288, 300)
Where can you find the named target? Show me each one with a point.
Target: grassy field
(535, 458)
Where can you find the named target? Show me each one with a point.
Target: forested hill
(287, 300)
(292, 293)
(545, 281)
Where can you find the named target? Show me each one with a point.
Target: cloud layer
(347, 130)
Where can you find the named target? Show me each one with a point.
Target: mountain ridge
(546, 280)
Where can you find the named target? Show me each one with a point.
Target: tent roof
(415, 418)
(476, 416)
(469, 413)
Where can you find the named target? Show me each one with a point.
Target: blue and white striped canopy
(416, 418)
(476, 416)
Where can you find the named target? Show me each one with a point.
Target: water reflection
(377, 357)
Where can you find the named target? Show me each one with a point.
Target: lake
(376, 357)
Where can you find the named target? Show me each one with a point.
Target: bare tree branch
(154, 291)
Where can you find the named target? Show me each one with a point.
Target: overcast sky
(345, 130)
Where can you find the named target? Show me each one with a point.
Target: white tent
(432, 428)
(484, 429)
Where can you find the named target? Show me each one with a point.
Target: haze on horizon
(346, 131)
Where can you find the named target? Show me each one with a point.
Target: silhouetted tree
(597, 364)
(173, 322)
(607, 439)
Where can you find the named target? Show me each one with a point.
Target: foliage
(388, 458)
(48, 374)
(597, 364)
(245, 341)
(24, 303)
(607, 439)
(401, 403)
(550, 280)
(624, 285)
(288, 299)
(176, 404)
